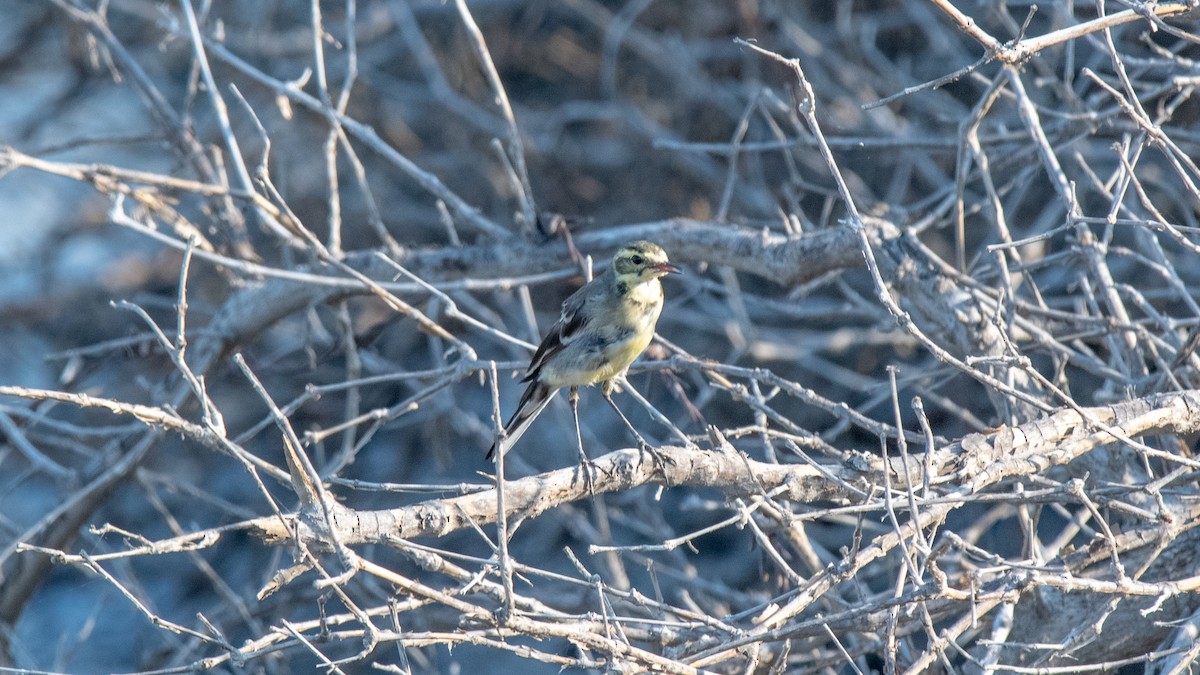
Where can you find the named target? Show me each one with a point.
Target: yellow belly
(582, 369)
(622, 354)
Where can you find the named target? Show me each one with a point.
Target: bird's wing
(571, 323)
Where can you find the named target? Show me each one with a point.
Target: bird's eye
(637, 260)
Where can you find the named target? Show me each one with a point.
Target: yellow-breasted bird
(604, 326)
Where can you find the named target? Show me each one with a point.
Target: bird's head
(642, 261)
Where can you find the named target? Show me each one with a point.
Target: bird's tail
(535, 399)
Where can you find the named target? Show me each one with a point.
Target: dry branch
(925, 402)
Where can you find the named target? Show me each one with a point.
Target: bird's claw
(660, 460)
(587, 467)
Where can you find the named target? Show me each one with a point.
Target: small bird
(604, 326)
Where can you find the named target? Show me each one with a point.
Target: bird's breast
(642, 304)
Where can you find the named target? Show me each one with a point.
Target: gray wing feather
(571, 323)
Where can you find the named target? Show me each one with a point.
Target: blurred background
(638, 119)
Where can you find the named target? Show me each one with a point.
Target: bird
(603, 327)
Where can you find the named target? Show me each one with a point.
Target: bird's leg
(606, 390)
(585, 464)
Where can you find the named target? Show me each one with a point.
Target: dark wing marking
(569, 325)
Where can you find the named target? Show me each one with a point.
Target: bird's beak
(666, 268)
